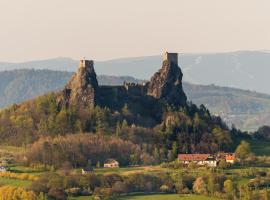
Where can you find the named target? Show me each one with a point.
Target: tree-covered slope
(19, 85)
(246, 109)
(160, 126)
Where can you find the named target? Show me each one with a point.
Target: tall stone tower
(86, 63)
(166, 84)
(170, 57)
(82, 89)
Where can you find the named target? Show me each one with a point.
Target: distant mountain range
(247, 110)
(244, 69)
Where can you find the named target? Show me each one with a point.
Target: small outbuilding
(87, 170)
(111, 163)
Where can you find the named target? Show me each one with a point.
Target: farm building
(111, 163)
(228, 157)
(199, 159)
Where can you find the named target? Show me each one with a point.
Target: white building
(111, 163)
(3, 169)
(200, 159)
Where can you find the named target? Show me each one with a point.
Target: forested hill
(19, 85)
(159, 122)
(247, 110)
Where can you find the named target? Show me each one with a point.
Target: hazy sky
(105, 29)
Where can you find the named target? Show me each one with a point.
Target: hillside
(246, 109)
(154, 116)
(243, 69)
(66, 136)
(19, 85)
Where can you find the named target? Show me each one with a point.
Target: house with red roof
(200, 159)
(228, 157)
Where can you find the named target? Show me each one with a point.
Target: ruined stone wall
(112, 96)
(135, 89)
(118, 96)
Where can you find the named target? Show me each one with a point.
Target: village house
(111, 163)
(3, 169)
(228, 157)
(200, 159)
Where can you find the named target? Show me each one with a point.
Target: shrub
(119, 187)
(57, 194)
(11, 193)
(74, 191)
(18, 176)
(165, 189)
(200, 187)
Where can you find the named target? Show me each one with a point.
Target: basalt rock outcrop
(166, 84)
(83, 91)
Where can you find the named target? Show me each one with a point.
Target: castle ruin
(165, 86)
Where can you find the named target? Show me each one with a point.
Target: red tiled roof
(230, 157)
(193, 157)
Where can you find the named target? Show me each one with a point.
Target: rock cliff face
(166, 84)
(83, 91)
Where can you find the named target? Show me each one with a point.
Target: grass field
(154, 197)
(14, 182)
(260, 148)
(80, 198)
(167, 197)
(11, 149)
(26, 170)
(130, 170)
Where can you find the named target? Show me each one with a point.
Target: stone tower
(171, 57)
(166, 84)
(82, 89)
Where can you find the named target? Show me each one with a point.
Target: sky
(107, 29)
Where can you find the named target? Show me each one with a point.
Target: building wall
(111, 165)
(118, 96)
(210, 163)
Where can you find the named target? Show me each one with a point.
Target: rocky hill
(154, 115)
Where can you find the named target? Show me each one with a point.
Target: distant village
(209, 160)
